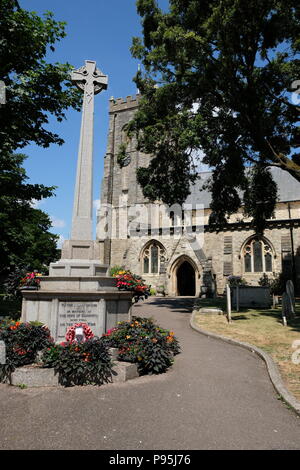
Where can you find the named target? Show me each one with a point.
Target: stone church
(174, 247)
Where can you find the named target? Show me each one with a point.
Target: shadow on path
(175, 304)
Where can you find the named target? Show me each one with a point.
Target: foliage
(80, 363)
(143, 342)
(115, 270)
(128, 281)
(23, 341)
(235, 281)
(217, 81)
(31, 280)
(35, 89)
(26, 240)
(10, 307)
(277, 284)
(264, 281)
(12, 284)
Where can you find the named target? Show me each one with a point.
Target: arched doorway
(185, 279)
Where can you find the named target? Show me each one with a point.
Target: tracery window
(152, 257)
(258, 257)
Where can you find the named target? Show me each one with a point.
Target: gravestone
(286, 308)
(78, 288)
(291, 297)
(252, 297)
(228, 301)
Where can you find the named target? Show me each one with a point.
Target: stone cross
(91, 81)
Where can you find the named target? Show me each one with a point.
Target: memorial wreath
(71, 331)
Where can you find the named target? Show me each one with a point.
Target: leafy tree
(217, 78)
(25, 237)
(34, 89)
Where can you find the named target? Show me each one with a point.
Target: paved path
(217, 396)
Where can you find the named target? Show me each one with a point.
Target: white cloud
(36, 204)
(57, 223)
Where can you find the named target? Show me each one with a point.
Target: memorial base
(63, 301)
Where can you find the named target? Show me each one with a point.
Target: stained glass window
(153, 257)
(247, 258)
(257, 256)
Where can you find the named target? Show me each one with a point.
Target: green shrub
(277, 284)
(235, 281)
(80, 363)
(264, 281)
(143, 342)
(22, 341)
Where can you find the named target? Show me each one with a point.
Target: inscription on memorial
(77, 311)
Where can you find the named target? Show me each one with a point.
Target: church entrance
(185, 279)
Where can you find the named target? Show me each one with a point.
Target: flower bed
(83, 363)
(22, 341)
(128, 281)
(31, 280)
(143, 342)
(140, 341)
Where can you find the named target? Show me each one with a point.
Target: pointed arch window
(257, 256)
(152, 257)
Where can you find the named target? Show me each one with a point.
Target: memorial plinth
(62, 301)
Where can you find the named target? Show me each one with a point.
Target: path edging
(271, 366)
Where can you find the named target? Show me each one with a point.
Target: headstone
(275, 301)
(285, 308)
(228, 299)
(291, 297)
(252, 297)
(2, 353)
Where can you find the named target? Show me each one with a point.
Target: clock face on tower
(126, 160)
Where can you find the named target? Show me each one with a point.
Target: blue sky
(97, 30)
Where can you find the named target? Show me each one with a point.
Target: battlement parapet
(123, 104)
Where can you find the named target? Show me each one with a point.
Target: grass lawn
(262, 328)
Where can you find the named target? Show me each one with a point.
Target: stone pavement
(217, 396)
